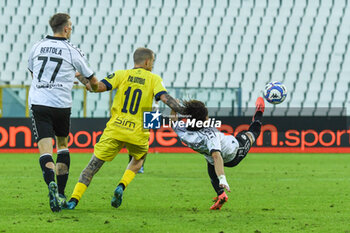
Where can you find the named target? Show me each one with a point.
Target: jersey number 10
(135, 101)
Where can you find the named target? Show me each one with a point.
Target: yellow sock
(79, 190)
(127, 177)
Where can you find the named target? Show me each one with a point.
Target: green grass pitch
(269, 193)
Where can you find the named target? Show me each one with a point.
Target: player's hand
(88, 87)
(77, 74)
(223, 183)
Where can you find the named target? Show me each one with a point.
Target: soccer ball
(275, 92)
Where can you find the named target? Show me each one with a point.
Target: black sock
(61, 183)
(258, 116)
(63, 157)
(48, 173)
(255, 127)
(122, 185)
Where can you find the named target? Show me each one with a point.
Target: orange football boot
(220, 200)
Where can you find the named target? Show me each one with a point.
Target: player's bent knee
(62, 142)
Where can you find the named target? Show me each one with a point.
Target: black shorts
(50, 122)
(243, 149)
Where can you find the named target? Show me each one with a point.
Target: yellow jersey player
(136, 89)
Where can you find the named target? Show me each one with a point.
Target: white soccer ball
(275, 92)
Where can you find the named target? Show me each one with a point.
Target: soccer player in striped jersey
(53, 62)
(136, 89)
(219, 150)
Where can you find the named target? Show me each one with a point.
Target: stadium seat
(194, 79)
(7, 76)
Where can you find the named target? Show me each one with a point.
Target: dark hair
(58, 21)
(142, 54)
(195, 109)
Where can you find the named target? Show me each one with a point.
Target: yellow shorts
(107, 148)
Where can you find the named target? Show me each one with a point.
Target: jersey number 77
(58, 66)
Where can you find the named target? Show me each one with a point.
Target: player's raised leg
(129, 174)
(255, 127)
(84, 180)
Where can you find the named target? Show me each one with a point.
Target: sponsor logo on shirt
(48, 85)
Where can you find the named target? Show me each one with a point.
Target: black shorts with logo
(50, 122)
(243, 149)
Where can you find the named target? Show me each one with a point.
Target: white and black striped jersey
(207, 140)
(53, 62)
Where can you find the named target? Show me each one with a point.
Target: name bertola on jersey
(53, 50)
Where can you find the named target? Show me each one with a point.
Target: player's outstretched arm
(219, 170)
(92, 84)
(172, 103)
